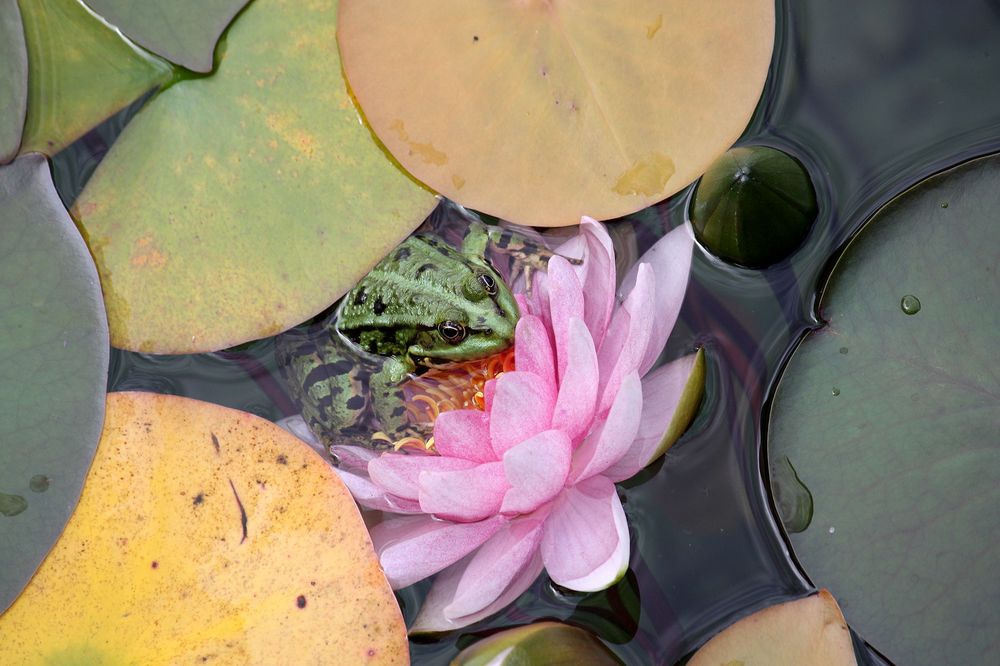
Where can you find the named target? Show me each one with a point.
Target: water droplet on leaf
(39, 483)
(910, 304)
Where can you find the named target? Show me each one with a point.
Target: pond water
(871, 97)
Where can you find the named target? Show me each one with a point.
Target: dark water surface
(871, 97)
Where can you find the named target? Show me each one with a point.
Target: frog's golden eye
(451, 331)
(489, 284)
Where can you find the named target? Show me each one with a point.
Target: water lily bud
(754, 206)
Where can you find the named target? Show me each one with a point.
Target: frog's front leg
(389, 401)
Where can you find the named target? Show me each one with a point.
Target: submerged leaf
(890, 415)
(182, 31)
(205, 533)
(54, 354)
(13, 79)
(550, 643)
(540, 112)
(69, 50)
(806, 632)
(235, 206)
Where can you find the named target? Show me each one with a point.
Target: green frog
(424, 304)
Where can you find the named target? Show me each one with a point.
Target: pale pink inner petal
(522, 407)
(489, 391)
(465, 495)
(661, 393)
(536, 470)
(538, 297)
(432, 618)
(464, 433)
(597, 276)
(412, 548)
(580, 533)
(494, 566)
(399, 473)
(670, 260)
(638, 306)
(533, 350)
(612, 569)
(523, 305)
(565, 303)
(613, 438)
(574, 410)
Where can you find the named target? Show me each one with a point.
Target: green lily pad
(54, 354)
(235, 206)
(13, 79)
(182, 31)
(540, 643)
(69, 50)
(889, 415)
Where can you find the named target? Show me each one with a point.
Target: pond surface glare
(871, 98)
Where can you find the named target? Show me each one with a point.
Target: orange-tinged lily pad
(805, 632)
(205, 534)
(235, 206)
(540, 111)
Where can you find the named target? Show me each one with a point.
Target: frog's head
(477, 322)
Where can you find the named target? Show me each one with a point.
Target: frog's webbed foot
(389, 402)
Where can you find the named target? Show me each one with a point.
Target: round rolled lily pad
(540, 112)
(235, 206)
(182, 31)
(13, 79)
(205, 534)
(805, 632)
(54, 354)
(889, 416)
(754, 206)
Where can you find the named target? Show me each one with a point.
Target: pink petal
(538, 298)
(412, 548)
(495, 566)
(522, 408)
(582, 533)
(464, 433)
(489, 391)
(432, 617)
(565, 303)
(670, 260)
(533, 350)
(574, 410)
(661, 393)
(613, 438)
(465, 495)
(597, 277)
(399, 473)
(372, 496)
(536, 470)
(523, 305)
(638, 305)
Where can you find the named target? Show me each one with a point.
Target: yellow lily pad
(540, 111)
(235, 206)
(805, 632)
(205, 534)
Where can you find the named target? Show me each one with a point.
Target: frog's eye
(451, 331)
(489, 284)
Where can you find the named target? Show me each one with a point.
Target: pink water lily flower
(528, 483)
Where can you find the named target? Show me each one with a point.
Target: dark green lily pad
(891, 414)
(754, 206)
(13, 79)
(53, 368)
(69, 49)
(182, 31)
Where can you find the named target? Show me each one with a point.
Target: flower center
(446, 388)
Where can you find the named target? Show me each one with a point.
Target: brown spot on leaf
(301, 601)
